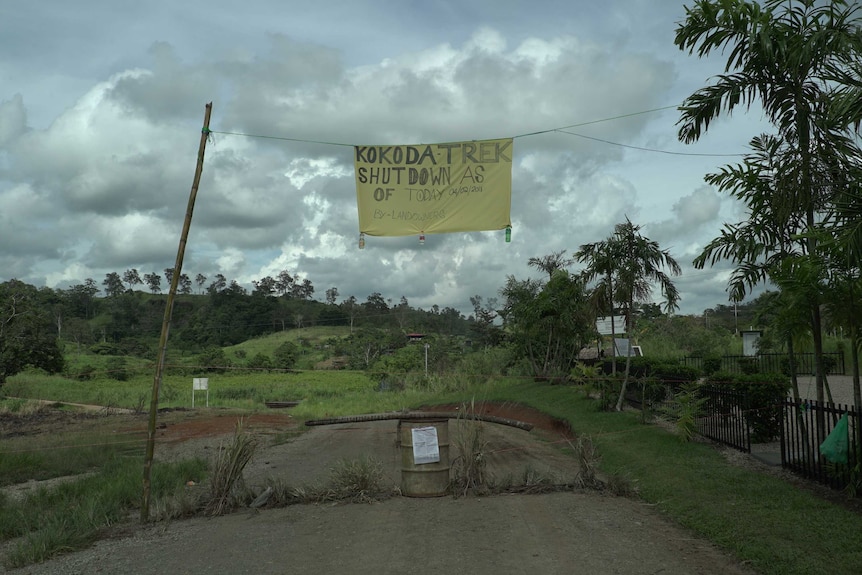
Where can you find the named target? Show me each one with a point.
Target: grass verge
(73, 515)
(772, 525)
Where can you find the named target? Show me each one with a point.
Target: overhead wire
(559, 130)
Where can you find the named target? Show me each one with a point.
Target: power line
(561, 129)
(599, 121)
(282, 138)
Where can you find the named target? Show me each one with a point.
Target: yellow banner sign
(434, 188)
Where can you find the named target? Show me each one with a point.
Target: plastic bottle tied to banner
(421, 239)
(361, 241)
(508, 234)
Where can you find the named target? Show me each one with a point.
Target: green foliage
(711, 364)
(680, 336)
(28, 336)
(547, 324)
(105, 348)
(749, 365)
(83, 373)
(213, 360)
(284, 356)
(668, 371)
(116, 368)
(686, 408)
(260, 362)
(72, 515)
(764, 393)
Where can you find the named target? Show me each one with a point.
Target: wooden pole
(166, 323)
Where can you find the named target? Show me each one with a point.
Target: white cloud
(103, 185)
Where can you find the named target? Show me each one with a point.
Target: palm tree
(787, 56)
(603, 265)
(628, 265)
(551, 263)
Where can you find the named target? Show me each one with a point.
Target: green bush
(711, 364)
(667, 371)
(260, 361)
(105, 348)
(213, 359)
(763, 395)
(749, 365)
(83, 373)
(116, 368)
(284, 356)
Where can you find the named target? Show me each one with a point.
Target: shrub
(749, 365)
(260, 361)
(213, 359)
(711, 364)
(687, 408)
(763, 394)
(284, 356)
(116, 367)
(105, 348)
(84, 373)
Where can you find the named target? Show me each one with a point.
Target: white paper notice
(425, 447)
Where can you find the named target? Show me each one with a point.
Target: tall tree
(184, 285)
(113, 284)
(27, 330)
(264, 286)
(131, 278)
(219, 284)
(788, 57)
(284, 283)
(331, 295)
(352, 309)
(547, 323)
(154, 282)
(638, 264)
(603, 265)
(484, 314)
(200, 280)
(551, 262)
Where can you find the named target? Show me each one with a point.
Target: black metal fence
(723, 417)
(772, 363)
(806, 425)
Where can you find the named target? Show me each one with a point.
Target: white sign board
(200, 384)
(623, 347)
(603, 324)
(749, 343)
(425, 446)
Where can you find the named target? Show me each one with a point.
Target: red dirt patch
(178, 426)
(514, 411)
(202, 424)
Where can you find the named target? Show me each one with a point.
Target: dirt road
(564, 532)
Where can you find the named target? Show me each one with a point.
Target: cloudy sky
(102, 102)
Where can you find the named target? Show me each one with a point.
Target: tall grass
(72, 515)
(226, 479)
(233, 389)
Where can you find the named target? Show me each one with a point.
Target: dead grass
(226, 481)
(469, 467)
